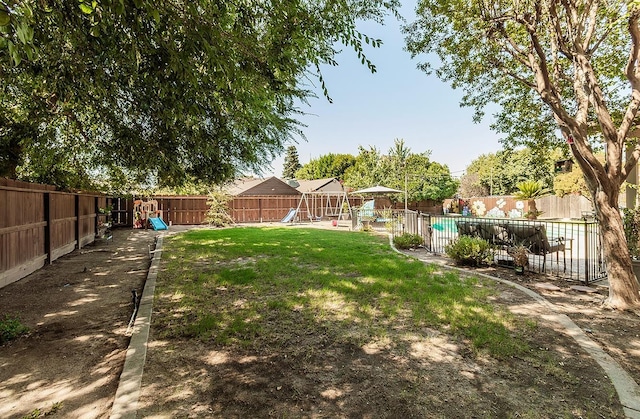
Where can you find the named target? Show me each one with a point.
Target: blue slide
(289, 217)
(158, 224)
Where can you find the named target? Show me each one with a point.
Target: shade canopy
(377, 190)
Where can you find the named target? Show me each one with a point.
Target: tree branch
(632, 72)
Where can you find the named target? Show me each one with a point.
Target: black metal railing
(567, 249)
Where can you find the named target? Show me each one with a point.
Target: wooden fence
(191, 210)
(38, 225)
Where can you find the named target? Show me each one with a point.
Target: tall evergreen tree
(291, 163)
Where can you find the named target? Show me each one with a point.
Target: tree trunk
(533, 210)
(624, 291)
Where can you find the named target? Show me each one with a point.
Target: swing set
(320, 205)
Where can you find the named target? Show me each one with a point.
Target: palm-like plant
(530, 190)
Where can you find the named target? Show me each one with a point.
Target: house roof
(254, 186)
(316, 184)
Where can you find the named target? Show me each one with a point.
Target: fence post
(78, 220)
(47, 227)
(586, 253)
(96, 212)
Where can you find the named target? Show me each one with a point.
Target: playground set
(319, 205)
(147, 215)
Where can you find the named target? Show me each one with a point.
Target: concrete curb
(125, 405)
(627, 389)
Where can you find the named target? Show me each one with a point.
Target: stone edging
(125, 404)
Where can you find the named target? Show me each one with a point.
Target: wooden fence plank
(38, 223)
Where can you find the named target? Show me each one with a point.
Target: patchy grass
(11, 328)
(258, 287)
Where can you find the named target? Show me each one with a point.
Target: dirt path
(77, 310)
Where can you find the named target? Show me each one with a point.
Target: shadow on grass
(312, 323)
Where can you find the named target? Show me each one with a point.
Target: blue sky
(398, 101)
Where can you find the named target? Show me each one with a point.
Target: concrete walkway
(126, 400)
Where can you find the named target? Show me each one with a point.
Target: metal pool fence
(566, 249)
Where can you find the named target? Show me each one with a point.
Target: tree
(291, 163)
(166, 90)
(370, 168)
(326, 166)
(551, 66)
(471, 185)
(425, 179)
(573, 182)
(218, 202)
(498, 173)
(530, 190)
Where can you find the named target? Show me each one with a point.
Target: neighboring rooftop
(320, 185)
(255, 186)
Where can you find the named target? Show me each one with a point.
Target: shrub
(407, 241)
(467, 250)
(632, 230)
(10, 329)
(217, 215)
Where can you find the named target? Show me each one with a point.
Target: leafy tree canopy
(570, 66)
(326, 166)
(169, 90)
(424, 178)
(499, 173)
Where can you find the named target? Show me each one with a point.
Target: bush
(467, 250)
(408, 241)
(10, 329)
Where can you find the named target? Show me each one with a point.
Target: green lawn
(257, 287)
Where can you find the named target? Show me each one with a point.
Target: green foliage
(631, 219)
(531, 189)
(326, 166)
(467, 250)
(546, 67)
(408, 241)
(189, 187)
(424, 178)
(573, 182)
(498, 173)
(165, 91)
(218, 204)
(11, 328)
(369, 169)
(291, 163)
(483, 49)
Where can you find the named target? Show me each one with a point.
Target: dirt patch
(75, 351)
(77, 310)
(618, 333)
(413, 373)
